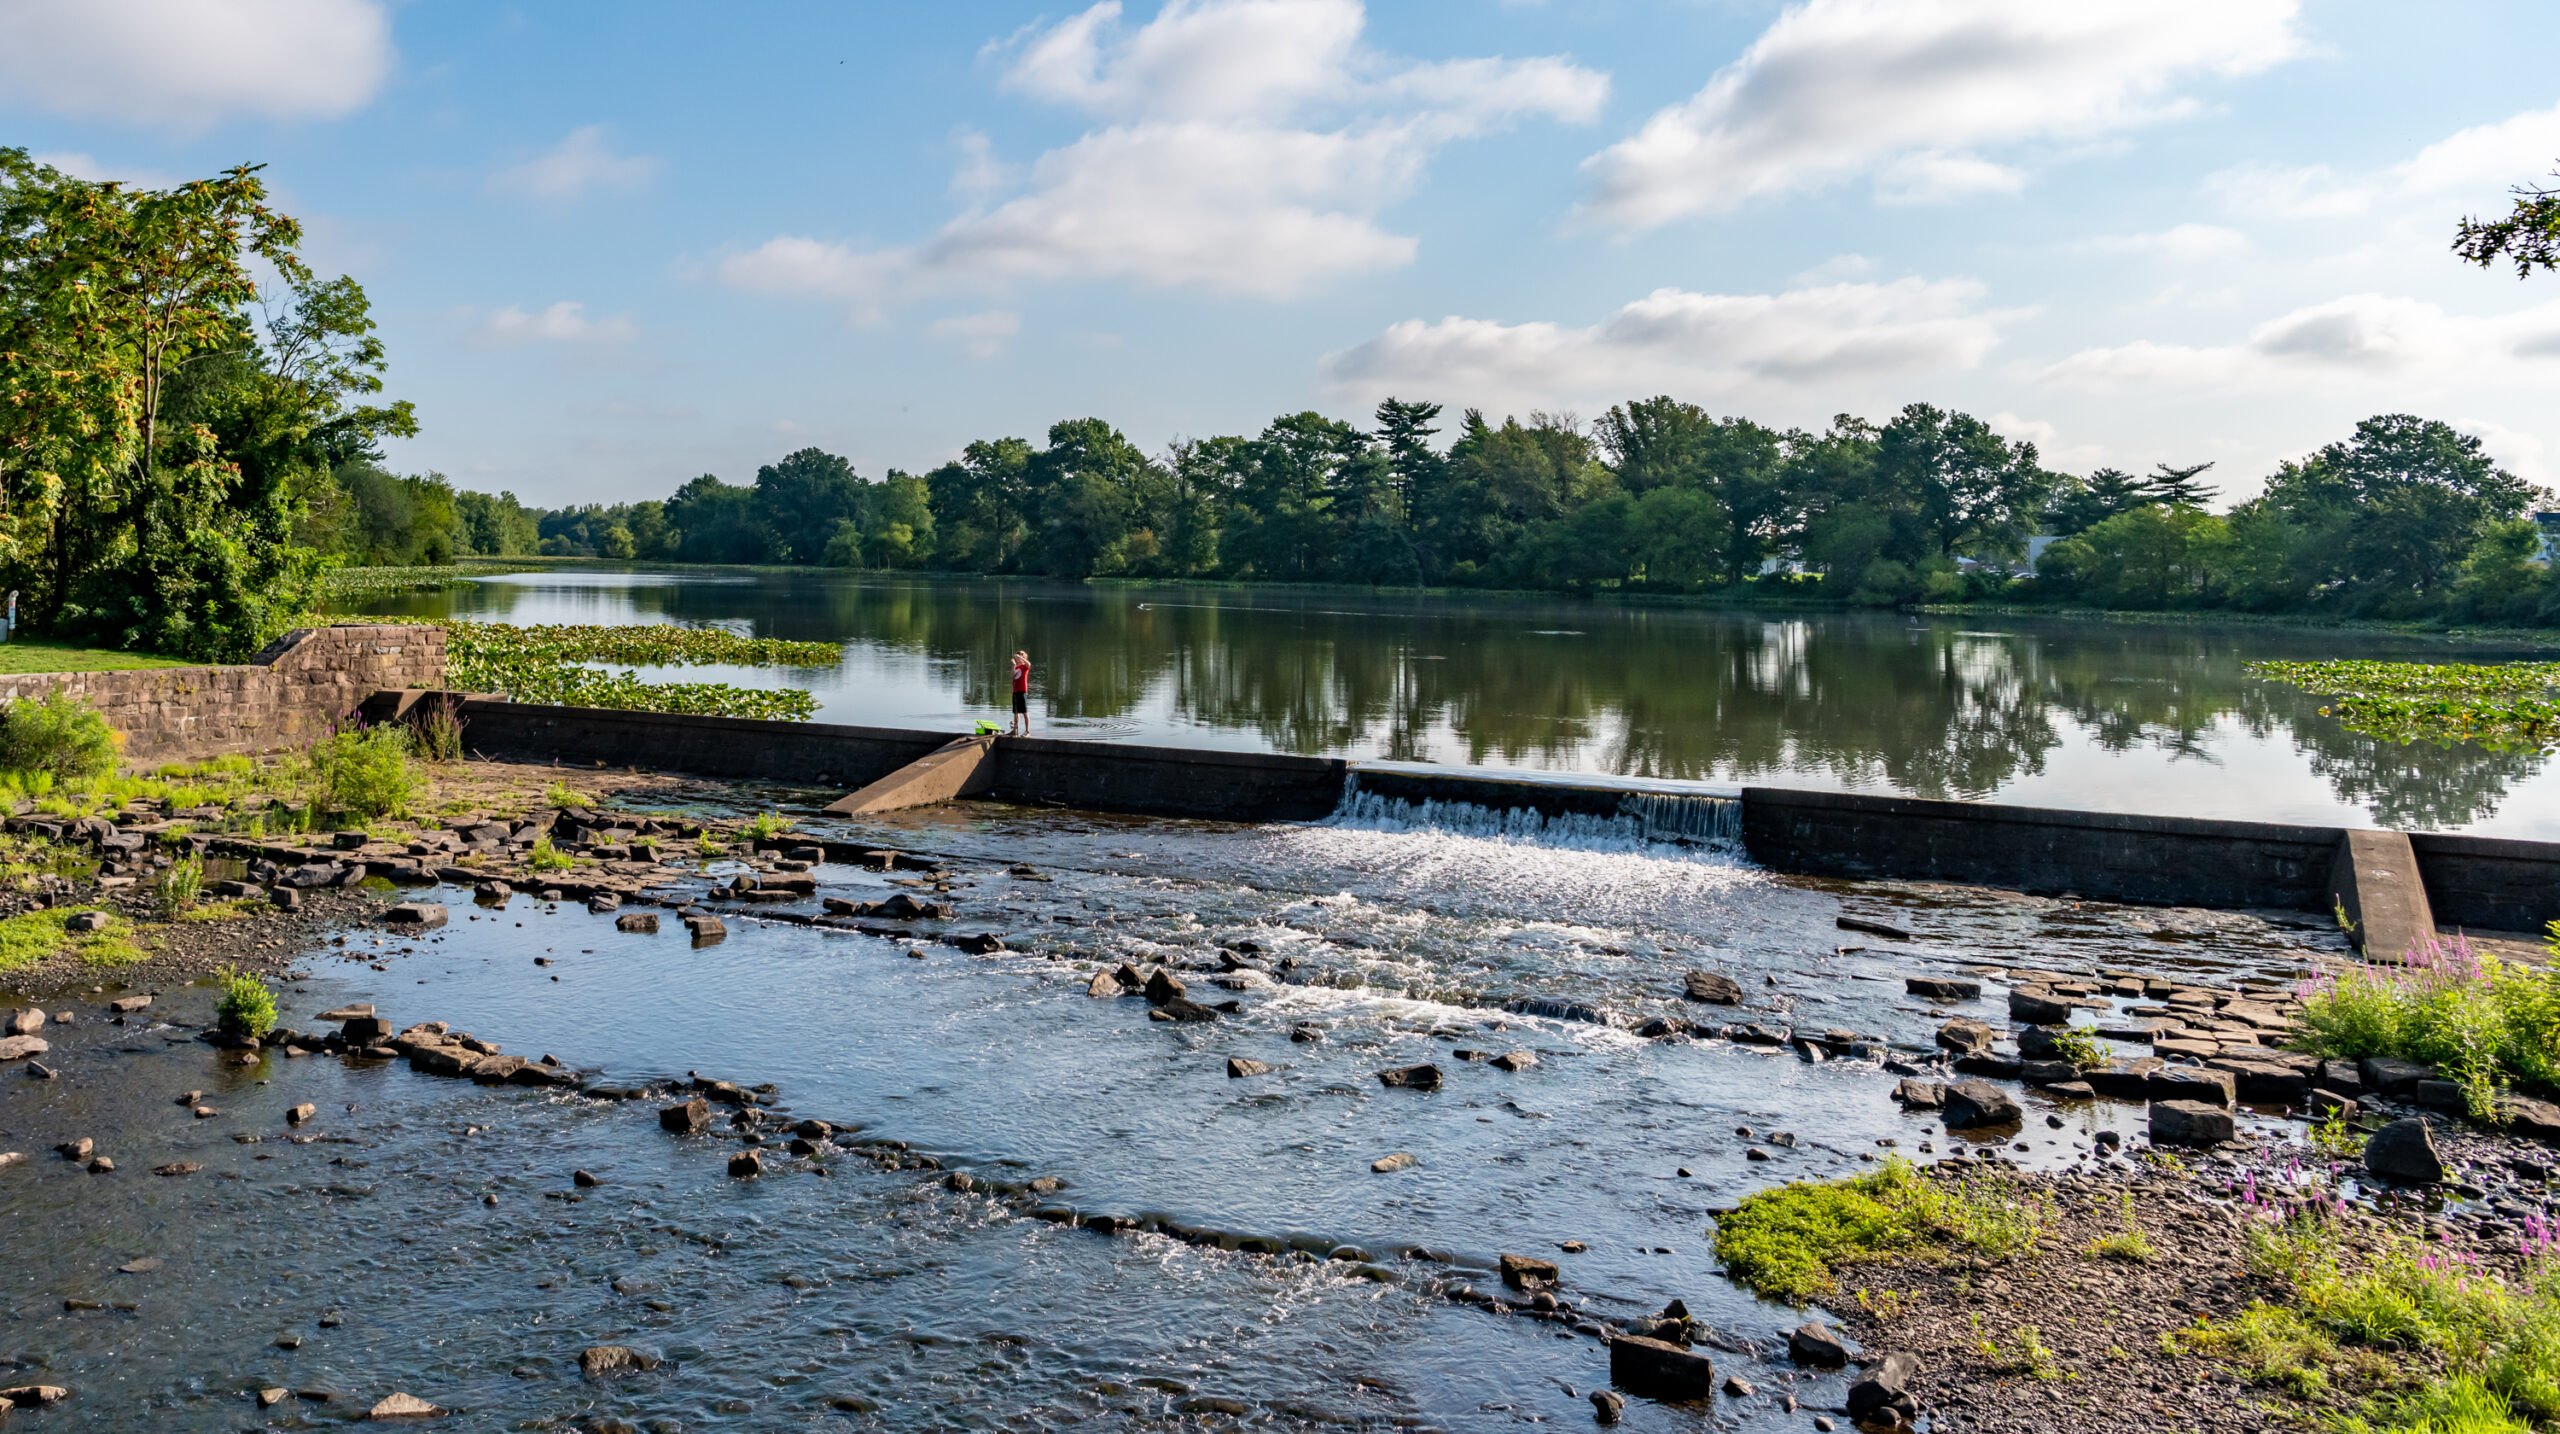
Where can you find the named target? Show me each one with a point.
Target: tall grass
(2489, 1024)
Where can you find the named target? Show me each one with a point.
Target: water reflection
(2116, 717)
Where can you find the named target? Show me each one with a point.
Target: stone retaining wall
(306, 680)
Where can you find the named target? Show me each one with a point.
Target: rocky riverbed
(984, 1115)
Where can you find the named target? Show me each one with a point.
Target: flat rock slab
(1658, 1369)
(2190, 1122)
(1973, 1104)
(1422, 1077)
(415, 916)
(1942, 988)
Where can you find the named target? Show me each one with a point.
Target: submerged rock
(1421, 1077)
(414, 916)
(1390, 1164)
(1942, 988)
(1711, 988)
(606, 1359)
(1514, 1061)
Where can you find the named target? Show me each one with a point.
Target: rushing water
(932, 1309)
(2122, 718)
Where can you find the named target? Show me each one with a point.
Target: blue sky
(612, 246)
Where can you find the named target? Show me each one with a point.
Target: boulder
(2190, 1122)
(1390, 1164)
(1920, 1094)
(2404, 1150)
(1162, 988)
(746, 1165)
(415, 916)
(2038, 1007)
(604, 1359)
(1996, 1067)
(1608, 1406)
(1238, 1068)
(26, 1022)
(1711, 988)
(1105, 985)
(497, 1070)
(638, 923)
(2533, 1119)
(1966, 1037)
(1886, 1387)
(2256, 1079)
(1521, 1272)
(1656, 1369)
(707, 930)
(364, 1030)
(443, 1060)
(402, 1406)
(301, 1113)
(86, 921)
(1182, 1008)
(1817, 1345)
(1421, 1077)
(2126, 1080)
(2213, 1087)
(2047, 1072)
(977, 943)
(317, 873)
(1942, 988)
(2439, 1095)
(691, 1118)
(2394, 1077)
(1974, 1104)
(18, 1048)
(1513, 1061)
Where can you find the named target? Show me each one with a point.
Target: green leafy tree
(978, 505)
(799, 501)
(2528, 237)
(2149, 556)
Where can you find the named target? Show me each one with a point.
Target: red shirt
(1022, 677)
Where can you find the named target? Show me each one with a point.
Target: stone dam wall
(306, 681)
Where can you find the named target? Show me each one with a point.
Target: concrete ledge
(956, 769)
(2376, 886)
(2490, 883)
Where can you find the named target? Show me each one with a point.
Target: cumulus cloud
(2183, 243)
(189, 63)
(1908, 91)
(981, 336)
(2407, 341)
(2478, 164)
(583, 160)
(565, 322)
(1242, 146)
(1673, 340)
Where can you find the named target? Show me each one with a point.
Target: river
(2119, 717)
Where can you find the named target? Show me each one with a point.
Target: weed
(365, 772)
(2128, 1243)
(30, 937)
(179, 886)
(1882, 1304)
(559, 795)
(2486, 1022)
(1786, 1242)
(2464, 1404)
(247, 1007)
(767, 825)
(59, 735)
(705, 847)
(2080, 1048)
(2335, 1138)
(546, 857)
(438, 729)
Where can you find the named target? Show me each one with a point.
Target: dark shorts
(1022, 703)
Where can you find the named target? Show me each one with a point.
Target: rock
(1238, 1067)
(1513, 1061)
(1184, 1010)
(691, 1118)
(1658, 1369)
(2190, 1122)
(414, 916)
(402, 1406)
(1966, 1037)
(977, 943)
(26, 1022)
(1306, 1035)
(1522, 1272)
(2533, 1119)
(285, 898)
(497, 1070)
(1942, 988)
(2326, 1103)
(2439, 1095)
(1607, 1405)
(1972, 1104)
(2404, 1150)
(2264, 1080)
(301, 1113)
(76, 1150)
(1161, 988)
(270, 1398)
(2126, 1080)
(1871, 928)
(604, 901)
(1886, 1386)
(1817, 1345)
(746, 1164)
(1921, 1094)
(1421, 1077)
(606, 1359)
(637, 923)
(85, 922)
(1390, 1164)
(2192, 1083)
(706, 930)
(35, 1396)
(2047, 1072)
(1752, 1033)
(583, 1180)
(177, 1167)
(1711, 988)
(2038, 1008)
(2394, 1077)
(1105, 985)
(18, 1048)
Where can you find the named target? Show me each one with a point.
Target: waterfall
(1641, 819)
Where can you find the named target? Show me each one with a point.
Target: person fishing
(1021, 694)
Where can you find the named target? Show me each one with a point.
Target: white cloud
(583, 160)
(2414, 345)
(89, 167)
(188, 63)
(1687, 343)
(565, 322)
(981, 336)
(2478, 165)
(2183, 243)
(1906, 90)
(1245, 146)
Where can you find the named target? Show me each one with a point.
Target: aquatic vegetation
(2488, 1023)
(1788, 1242)
(365, 772)
(2514, 705)
(247, 1007)
(348, 584)
(541, 664)
(57, 735)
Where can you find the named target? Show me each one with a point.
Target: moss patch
(30, 937)
(1787, 1242)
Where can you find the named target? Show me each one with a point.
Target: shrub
(247, 1007)
(365, 772)
(546, 857)
(2488, 1023)
(57, 734)
(180, 885)
(768, 825)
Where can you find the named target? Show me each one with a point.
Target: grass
(29, 655)
(2026, 1355)
(30, 937)
(231, 909)
(1789, 1242)
(546, 857)
(2488, 1024)
(2129, 1244)
(767, 825)
(2080, 1048)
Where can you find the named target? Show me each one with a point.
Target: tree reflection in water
(1931, 707)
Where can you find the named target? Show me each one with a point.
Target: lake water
(2113, 717)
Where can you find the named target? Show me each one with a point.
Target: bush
(365, 772)
(180, 885)
(247, 1007)
(58, 735)
(2488, 1023)
(768, 825)
(546, 857)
